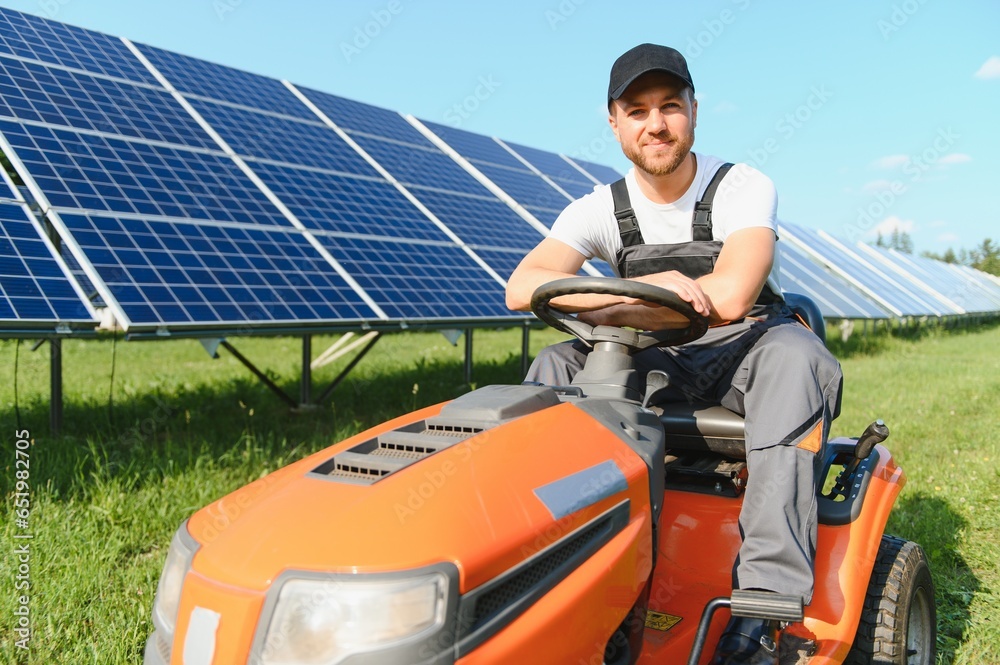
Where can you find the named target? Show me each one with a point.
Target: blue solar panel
(38, 93)
(525, 187)
(454, 196)
(551, 164)
(834, 296)
(507, 172)
(6, 190)
(420, 281)
(332, 202)
(36, 38)
(170, 273)
(424, 166)
(930, 276)
(353, 116)
(575, 189)
(93, 172)
(899, 297)
(475, 147)
(199, 77)
(600, 172)
(34, 288)
(544, 215)
(986, 284)
(503, 261)
(480, 222)
(281, 139)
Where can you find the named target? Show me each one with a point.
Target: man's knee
(792, 345)
(556, 365)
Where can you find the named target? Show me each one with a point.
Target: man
(686, 222)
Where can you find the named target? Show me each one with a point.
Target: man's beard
(662, 164)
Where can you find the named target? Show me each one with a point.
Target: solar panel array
(188, 196)
(37, 292)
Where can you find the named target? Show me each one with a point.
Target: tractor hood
(483, 483)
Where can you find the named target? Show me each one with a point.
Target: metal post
(525, 333)
(305, 394)
(55, 386)
(468, 356)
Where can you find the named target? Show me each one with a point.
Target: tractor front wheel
(899, 621)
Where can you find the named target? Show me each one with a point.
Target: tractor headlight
(321, 620)
(168, 591)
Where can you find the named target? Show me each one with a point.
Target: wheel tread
(881, 631)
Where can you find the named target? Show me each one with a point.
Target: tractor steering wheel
(634, 340)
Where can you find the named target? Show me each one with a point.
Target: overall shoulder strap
(701, 223)
(628, 226)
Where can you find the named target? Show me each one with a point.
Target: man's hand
(688, 289)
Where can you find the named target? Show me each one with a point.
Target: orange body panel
(472, 504)
(699, 540)
(597, 596)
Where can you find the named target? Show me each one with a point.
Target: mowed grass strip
(183, 429)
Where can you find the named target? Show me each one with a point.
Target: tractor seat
(714, 428)
(702, 428)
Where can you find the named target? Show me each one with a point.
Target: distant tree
(899, 240)
(948, 256)
(986, 257)
(905, 243)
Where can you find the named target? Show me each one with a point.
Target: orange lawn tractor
(536, 525)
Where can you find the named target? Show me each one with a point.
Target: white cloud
(876, 186)
(990, 68)
(937, 224)
(890, 224)
(947, 238)
(890, 161)
(726, 107)
(955, 158)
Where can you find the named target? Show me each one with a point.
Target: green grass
(183, 430)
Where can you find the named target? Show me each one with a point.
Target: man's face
(654, 121)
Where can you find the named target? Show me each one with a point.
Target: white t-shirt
(746, 198)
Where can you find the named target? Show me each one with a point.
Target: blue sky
(867, 115)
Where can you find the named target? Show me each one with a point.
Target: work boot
(794, 649)
(748, 642)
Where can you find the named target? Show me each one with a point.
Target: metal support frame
(468, 356)
(343, 374)
(275, 388)
(305, 392)
(305, 400)
(55, 386)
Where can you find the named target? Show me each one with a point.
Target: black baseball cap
(646, 58)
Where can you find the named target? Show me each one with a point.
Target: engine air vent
(389, 452)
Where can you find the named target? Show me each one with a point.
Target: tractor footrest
(705, 473)
(766, 605)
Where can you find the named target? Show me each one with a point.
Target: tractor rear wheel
(898, 621)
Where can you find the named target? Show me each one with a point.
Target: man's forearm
(640, 317)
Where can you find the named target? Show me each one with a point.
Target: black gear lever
(656, 382)
(874, 434)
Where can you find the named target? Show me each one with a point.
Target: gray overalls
(768, 368)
